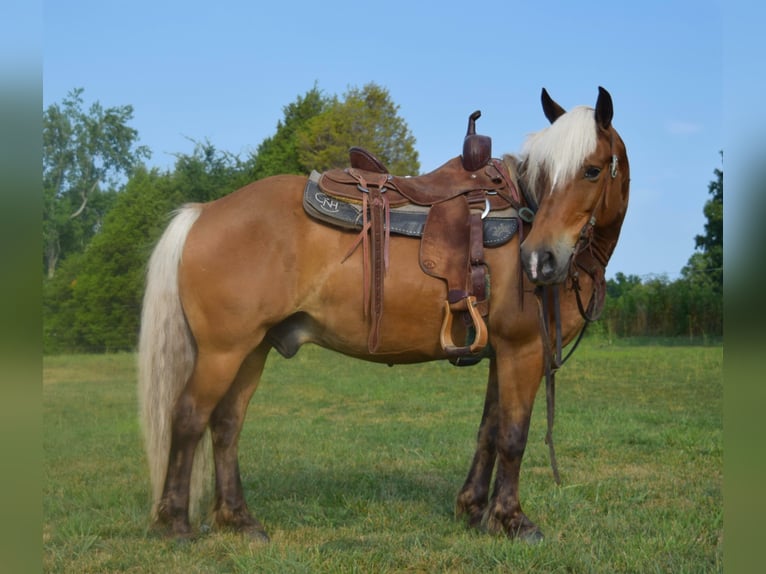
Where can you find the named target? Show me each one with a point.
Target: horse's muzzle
(544, 266)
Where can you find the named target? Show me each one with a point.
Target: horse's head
(577, 170)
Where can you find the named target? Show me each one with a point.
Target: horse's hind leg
(225, 425)
(212, 376)
(473, 497)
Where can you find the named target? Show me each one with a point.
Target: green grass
(354, 467)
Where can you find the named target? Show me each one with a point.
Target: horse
(231, 279)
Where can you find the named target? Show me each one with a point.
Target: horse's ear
(551, 109)
(604, 109)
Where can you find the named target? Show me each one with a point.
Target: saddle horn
(477, 149)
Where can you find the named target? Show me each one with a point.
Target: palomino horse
(231, 279)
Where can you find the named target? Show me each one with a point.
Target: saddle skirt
(454, 212)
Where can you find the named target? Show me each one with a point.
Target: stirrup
(479, 341)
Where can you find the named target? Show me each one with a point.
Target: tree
(279, 153)
(621, 284)
(317, 132)
(707, 264)
(93, 303)
(656, 306)
(84, 154)
(690, 306)
(366, 118)
(208, 173)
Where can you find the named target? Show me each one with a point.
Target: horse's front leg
(519, 374)
(473, 497)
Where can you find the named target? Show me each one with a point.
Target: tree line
(104, 209)
(692, 305)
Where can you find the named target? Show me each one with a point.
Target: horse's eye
(592, 173)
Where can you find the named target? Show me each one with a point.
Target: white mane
(559, 150)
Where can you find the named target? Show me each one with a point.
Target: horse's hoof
(521, 529)
(165, 532)
(243, 524)
(530, 536)
(257, 536)
(182, 540)
(471, 517)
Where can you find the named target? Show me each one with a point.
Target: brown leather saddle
(456, 210)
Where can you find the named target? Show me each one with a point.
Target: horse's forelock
(556, 153)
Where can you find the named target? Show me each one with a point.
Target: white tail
(166, 354)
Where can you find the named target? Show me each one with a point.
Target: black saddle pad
(408, 220)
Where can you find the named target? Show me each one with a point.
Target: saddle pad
(408, 220)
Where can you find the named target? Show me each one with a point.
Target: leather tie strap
(375, 238)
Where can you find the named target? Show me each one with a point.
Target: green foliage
(208, 174)
(658, 307)
(84, 153)
(279, 153)
(59, 309)
(354, 467)
(709, 263)
(317, 132)
(691, 306)
(94, 302)
(621, 284)
(365, 117)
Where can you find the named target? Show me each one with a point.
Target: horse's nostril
(539, 264)
(547, 264)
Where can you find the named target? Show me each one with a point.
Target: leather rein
(549, 294)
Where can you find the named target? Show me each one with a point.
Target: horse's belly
(412, 307)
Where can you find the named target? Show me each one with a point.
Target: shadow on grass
(350, 498)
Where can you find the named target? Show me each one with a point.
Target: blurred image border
(744, 286)
(20, 284)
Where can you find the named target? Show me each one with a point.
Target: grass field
(354, 467)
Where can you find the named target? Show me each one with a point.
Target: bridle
(548, 295)
(586, 250)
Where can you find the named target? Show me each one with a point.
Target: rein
(544, 294)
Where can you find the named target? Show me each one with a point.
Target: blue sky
(224, 71)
